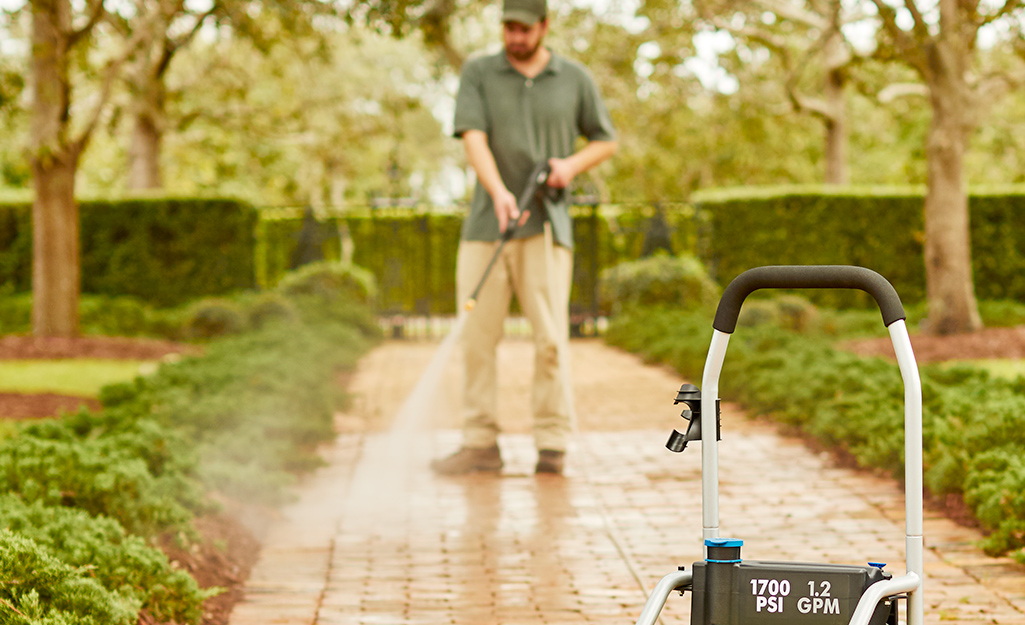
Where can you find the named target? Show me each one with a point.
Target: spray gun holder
(690, 395)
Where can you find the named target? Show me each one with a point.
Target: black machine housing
(729, 591)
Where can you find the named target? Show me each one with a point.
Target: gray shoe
(469, 460)
(550, 461)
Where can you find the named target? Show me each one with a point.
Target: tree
(683, 125)
(13, 170)
(148, 93)
(55, 150)
(261, 21)
(808, 39)
(311, 122)
(59, 134)
(941, 47)
(432, 18)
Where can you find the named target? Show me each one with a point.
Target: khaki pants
(521, 267)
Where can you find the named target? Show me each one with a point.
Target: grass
(79, 377)
(1006, 368)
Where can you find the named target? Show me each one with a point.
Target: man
(514, 109)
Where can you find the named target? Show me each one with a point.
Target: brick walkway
(376, 539)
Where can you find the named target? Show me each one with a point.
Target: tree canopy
(354, 104)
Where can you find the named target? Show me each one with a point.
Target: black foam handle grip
(806, 277)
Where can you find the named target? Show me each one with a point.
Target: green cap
(524, 11)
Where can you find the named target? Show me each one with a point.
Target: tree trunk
(55, 244)
(836, 129)
(144, 154)
(948, 257)
(56, 269)
(147, 131)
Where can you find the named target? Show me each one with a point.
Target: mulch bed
(223, 559)
(14, 347)
(986, 343)
(40, 405)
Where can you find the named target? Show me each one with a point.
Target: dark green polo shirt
(527, 121)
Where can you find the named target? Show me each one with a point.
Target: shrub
(15, 313)
(40, 589)
(95, 489)
(270, 307)
(1002, 313)
(213, 317)
(876, 227)
(330, 282)
(792, 312)
(974, 424)
(332, 293)
(412, 253)
(659, 280)
(255, 405)
(98, 314)
(103, 551)
(127, 316)
(996, 490)
(163, 250)
(139, 476)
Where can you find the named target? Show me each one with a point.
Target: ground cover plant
(974, 422)
(91, 497)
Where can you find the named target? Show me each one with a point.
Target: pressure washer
(535, 186)
(729, 590)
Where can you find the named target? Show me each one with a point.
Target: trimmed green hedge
(412, 253)
(974, 424)
(164, 250)
(879, 228)
(88, 495)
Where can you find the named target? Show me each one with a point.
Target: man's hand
(507, 209)
(564, 170)
(562, 173)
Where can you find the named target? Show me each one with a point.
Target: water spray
(402, 432)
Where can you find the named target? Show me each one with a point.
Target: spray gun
(690, 395)
(535, 186)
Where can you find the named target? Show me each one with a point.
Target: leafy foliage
(366, 131)
(974, 424)
(878, 228)
(139, 476)
(331, 281)
(42, 590)
(102, 550)
(213, 317)
(87, 494)
(164, 250)
(412, 254)
(659, 280)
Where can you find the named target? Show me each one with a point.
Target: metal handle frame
(827, 276)
(893, 316)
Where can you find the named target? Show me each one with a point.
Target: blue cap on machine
(723, 550)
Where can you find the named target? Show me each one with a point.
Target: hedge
(412, 253)
(881, 228)
(974, 424)
(88, 495)
(170, 250)
(164, 250)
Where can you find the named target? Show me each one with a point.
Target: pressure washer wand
(537, 179)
